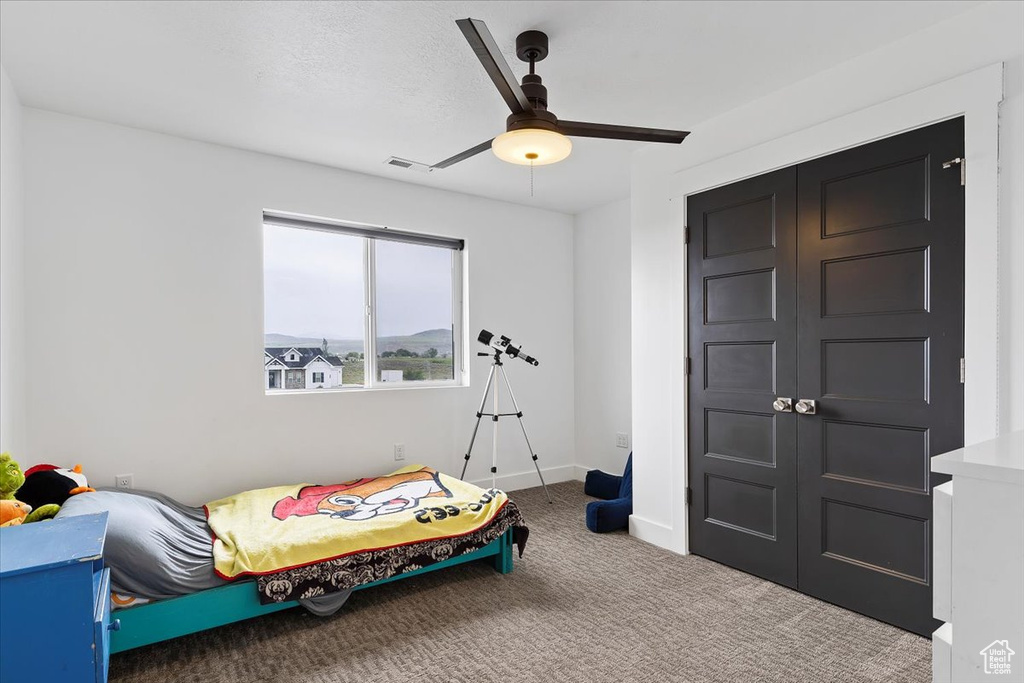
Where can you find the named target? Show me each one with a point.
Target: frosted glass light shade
(531, 146)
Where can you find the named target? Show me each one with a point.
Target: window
(414, 312)
(383, 307)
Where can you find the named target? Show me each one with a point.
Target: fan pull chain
(531, 177)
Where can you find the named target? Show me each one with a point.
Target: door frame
(975, 96)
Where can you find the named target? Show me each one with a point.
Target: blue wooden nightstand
(55, 601)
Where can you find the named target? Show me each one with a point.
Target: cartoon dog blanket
(275, 529)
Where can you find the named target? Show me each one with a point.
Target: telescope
(500, 345)
(504, 345)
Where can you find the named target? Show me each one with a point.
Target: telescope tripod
(497, 368)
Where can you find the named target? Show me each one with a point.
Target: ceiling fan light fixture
(531, 146)
(535, 136)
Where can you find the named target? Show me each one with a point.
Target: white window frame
(370, 380)
(459, 314)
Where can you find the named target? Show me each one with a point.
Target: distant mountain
(288, 340)
(440, 339)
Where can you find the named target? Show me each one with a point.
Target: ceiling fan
(533, 135)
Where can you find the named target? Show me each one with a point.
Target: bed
(178, 569)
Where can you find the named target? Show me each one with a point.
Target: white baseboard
(643, 529)
(528, 479)
(651, 532)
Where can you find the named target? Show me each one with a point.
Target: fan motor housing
(532, 46)
(539, 118)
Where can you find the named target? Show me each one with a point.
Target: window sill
(391, 386)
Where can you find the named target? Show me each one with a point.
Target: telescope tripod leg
(526, 436)
(494, 434)
(479, 415)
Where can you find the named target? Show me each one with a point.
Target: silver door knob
(783, 405)
(806, 406)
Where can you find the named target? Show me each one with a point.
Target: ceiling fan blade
(462, 156)
(613, 132)
(482, 42)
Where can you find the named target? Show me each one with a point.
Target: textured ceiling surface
(348, 84)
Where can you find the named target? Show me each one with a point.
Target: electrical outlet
(124, 481)
(399, 451)
(621, 440)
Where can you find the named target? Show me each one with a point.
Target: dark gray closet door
(742, 270)
(881, 231)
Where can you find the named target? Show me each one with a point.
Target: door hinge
(962, 163)
(686, 234)
(689, 495)
(963, 371)
(688, 365)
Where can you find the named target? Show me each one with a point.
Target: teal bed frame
(166, 619)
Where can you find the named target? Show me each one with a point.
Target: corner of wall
(601, 328)
(12, 272)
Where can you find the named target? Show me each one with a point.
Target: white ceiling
(347, 84)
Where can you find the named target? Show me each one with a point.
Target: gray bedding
(158, 548)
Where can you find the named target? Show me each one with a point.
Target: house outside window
(349, 306)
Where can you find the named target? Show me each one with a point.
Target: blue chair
(613, 511)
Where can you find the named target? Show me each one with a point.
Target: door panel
(880, 336)
(876, 539)
(742, 276)
(736, 228)
(740, 297)
(742, 505)
(738, 366)
(879, 283)
(875, 197)
(876, 454)
(873, 369)
(735, 435)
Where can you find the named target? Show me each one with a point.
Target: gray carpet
(578, 607)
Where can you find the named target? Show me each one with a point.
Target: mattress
(158, 548)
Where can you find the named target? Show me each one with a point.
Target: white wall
(12, 274)
(986, 35)
(142, 248)
(602, 320)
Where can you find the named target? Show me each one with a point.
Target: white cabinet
(979, 563)
(942, 518)
(942, 653)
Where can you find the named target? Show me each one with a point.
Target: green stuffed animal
(11, 479)
(44, 512)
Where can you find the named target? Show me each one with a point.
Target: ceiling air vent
(405, 163)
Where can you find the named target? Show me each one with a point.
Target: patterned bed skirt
(354, 570)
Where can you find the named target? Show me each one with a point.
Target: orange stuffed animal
(13, 512)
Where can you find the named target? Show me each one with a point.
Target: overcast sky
(313, 285)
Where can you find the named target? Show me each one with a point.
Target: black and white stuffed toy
(51, 485)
